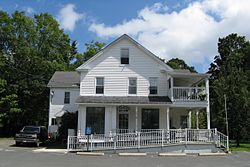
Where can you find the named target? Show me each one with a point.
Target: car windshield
(30, 129)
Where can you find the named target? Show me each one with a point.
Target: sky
(185, 29)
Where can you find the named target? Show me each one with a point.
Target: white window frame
(135, 85)
(66, 98)
(156, 85)
(126, 56)
(53, 121)
(99, 85)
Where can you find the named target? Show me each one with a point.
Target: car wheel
(18, 143)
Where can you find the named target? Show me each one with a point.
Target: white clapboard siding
(116, 76)
(57, 100)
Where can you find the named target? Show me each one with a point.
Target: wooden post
(197, 119)
(136, 118)
(172, 88)
(208, 103)
(190, 119)
(168, 126)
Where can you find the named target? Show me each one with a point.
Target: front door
(123, 117)
(150, 118)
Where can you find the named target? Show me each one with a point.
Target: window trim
(53, 121)
(135, 86)
(157, 86)
(66, 102)
(99, 85)
(121, 56)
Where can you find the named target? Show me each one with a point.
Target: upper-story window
(99, 85)
(124, 56)
(132, 89)
(66, 97)
(153, 85)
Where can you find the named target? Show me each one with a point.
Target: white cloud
(28, 10)
(68, 17)
(190, 34)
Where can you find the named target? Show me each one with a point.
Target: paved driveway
(25, 157)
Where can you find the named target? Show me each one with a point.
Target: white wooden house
(64, 90)
(125, 88)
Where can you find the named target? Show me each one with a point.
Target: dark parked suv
(32, 134)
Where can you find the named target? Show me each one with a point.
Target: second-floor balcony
(189, 94)
(188, 87)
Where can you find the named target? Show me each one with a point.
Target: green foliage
(230, 77)
(176, 63)
(31, 50)
(91, 49)
(69, 121)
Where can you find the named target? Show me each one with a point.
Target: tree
(69, 121)
(91, 49)
(176, 63)
(32, 50)
(230, 77)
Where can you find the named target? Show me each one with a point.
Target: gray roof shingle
(124, 99)
(65, 79)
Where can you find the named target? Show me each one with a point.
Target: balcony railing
(189, 94)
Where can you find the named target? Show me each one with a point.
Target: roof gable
(139, 46)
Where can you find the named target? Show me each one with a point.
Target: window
(95, 118)
(53, 121)
(123, 117)
(150, 118)
(100, 85)
(66, 97)
(132, 86)
(124, 56)
(153, 85)
(184, 122)
(169, 83)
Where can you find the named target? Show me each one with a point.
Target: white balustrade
(189, 94)
(146, 138)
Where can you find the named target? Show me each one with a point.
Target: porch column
(168, 126)
(136, 118)
(172, 88)
(208, 117)
(197, 119)
(81, 125)
(208, 103)
(113, 115)
(190, 119)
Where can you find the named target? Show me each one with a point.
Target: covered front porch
(106, 119)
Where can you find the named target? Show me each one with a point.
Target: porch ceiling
(123, 100)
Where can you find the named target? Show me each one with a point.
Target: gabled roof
(64, 79)
(124, 36)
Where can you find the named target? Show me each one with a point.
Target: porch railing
(156, 138)
(189, 94)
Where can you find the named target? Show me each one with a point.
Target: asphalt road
(11, 156)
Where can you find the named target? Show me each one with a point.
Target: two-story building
(126, 97)
(125, 86)
(64, 90)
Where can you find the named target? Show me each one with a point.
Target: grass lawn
(243, 146)
(6, 138)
